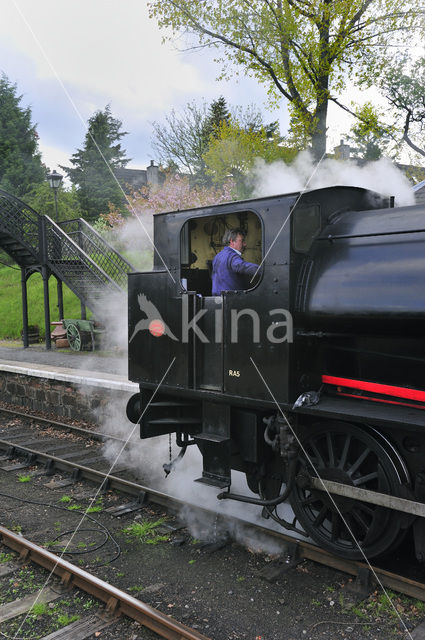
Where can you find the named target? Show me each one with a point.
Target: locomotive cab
(214, 340)
(219, 364)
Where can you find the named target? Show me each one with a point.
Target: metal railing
(87, 264)
(76, 268)
(100, 251)
(21, 222)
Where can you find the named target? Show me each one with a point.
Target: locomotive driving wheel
(360, 457)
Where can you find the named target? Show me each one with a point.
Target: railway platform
(74, 385)
(55, 358)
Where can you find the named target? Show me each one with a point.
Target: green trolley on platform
(83, 334)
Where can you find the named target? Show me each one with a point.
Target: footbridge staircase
(72, 251)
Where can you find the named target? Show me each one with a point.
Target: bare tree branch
(407, 138)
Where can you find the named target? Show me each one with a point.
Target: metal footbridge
(72, 251)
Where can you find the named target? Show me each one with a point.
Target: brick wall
(63, 399)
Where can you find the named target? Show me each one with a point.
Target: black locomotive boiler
(311, 381)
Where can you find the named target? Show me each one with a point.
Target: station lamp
(55, 181)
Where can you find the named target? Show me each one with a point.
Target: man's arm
(239, 265)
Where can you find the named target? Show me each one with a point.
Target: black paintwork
(201, 367)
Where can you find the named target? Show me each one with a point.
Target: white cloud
(54, 156)
(105, 52)
(103, 48)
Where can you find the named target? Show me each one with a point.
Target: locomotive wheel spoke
(357, 516)
(320, 462)
(321, 516)
(330, 450)
(365, 479)
(353, 456)
(358, 462)
(344, 453)
(336, 526)
(365, 508)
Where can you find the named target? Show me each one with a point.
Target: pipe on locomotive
(226, 495)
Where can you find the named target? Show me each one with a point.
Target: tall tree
(93, 165)
(180, 141)
(302, 50)
(20, 161)
(403, 84)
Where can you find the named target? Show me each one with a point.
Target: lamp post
(55, 181)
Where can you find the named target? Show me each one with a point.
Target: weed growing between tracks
(377, 607)
(23, 581)
(24, 478)
(147, 531)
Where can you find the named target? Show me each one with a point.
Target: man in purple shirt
(230, 272)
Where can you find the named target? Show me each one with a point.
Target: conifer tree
(94, 164)
(20, 161)
(217, 113)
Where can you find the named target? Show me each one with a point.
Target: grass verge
(11, 303)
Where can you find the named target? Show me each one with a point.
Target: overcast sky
(69, 59)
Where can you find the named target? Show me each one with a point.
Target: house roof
(419, 186)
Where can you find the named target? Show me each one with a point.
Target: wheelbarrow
(82, 334)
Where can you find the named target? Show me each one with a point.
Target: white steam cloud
(145, 459)
(381, 176)
(132, 241)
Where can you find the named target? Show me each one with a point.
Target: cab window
(201, 238)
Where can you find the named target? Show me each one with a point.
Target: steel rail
(113, 482)
(300, 549)
(95, 435)
(117, 602)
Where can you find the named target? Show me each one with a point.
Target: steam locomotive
(311, 380)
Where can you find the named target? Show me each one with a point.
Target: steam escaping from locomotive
(146, 463)
(381, 176)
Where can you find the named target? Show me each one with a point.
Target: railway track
(63, 426)
(116, 602)
(292, 551)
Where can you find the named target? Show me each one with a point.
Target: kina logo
(153, 321)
